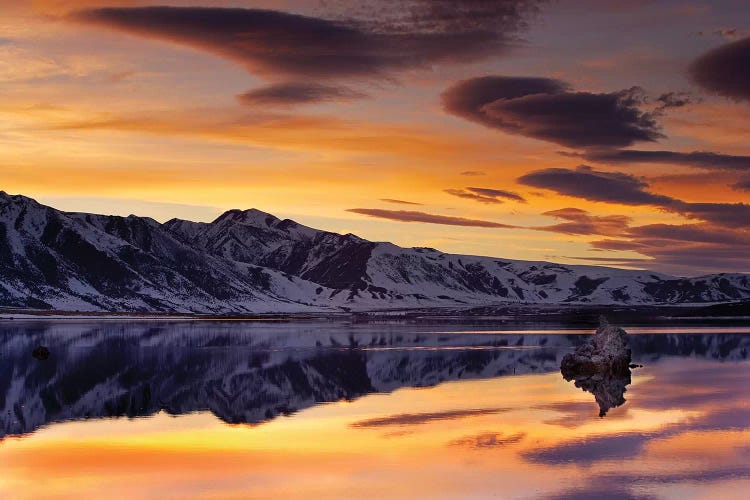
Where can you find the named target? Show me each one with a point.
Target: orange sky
(94, 118)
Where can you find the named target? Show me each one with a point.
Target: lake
(203, 409)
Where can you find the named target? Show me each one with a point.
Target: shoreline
(575, 314)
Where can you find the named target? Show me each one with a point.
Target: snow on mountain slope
(75, 261)
(251, 261)
(368, 274)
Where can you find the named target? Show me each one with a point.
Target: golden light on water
(459, 438)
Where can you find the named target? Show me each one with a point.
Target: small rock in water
(601, 366)
(607, 351)
(41, 353)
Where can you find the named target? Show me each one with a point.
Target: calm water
(235, 410)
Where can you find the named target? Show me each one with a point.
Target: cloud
(497, 193)
(264, 41)
(685, 248)
(625, 189)
(698, 233)
(725, 70)
(473, 173)
(278, 44)
(411, 216)
(290, 93)
(467, 98)
(594, 185)
(460, 193)
(546, 109)
(423, 418)
(486, 195)
(583, 223)
(725, 214)
(670, 100)
(742, 184)
(400, 202)
(697, 159)
(440, 16)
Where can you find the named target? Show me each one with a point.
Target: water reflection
(608, 387)
(503, 423)
(251, 374)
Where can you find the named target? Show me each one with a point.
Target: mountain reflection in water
(507, 398)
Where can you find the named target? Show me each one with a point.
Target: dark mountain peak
(252, 217)
(8, 198)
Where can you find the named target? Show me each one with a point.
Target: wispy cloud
(723, 70)
(486, 195)
(412, 216)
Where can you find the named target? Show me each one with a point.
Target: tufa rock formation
(601, 366)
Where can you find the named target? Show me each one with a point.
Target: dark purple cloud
(697, 233)
(486, 195)
(670, 100)
(594, 185)
(617, 187)
(411, 216)
(582, 222)
(439, 16)
(467, 98)
(725, 70)
(473, 173)
(298, 93)
(461, 193)
(697, 159)
(685, 248)
(725, 214)
(278, 44)
(548, 110)
(264, 41)
(742, 184)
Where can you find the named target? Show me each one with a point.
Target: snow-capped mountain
(251, 261)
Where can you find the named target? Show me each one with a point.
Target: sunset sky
(575, 131)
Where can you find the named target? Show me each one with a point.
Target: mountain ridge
(249, 261)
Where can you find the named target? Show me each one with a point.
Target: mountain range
(248, 261)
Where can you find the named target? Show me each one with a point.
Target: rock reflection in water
(601, 366)
(608, 387)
